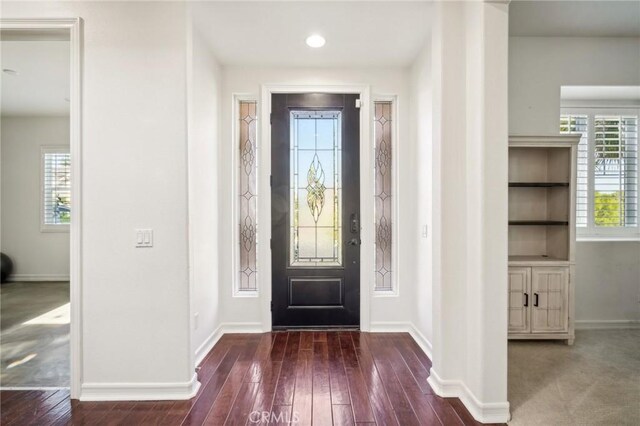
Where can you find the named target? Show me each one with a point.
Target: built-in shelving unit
(542, 179)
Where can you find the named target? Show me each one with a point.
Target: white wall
(36, 255)
(607, 273)
(204, 98)
(469, 210)
(422, 158)
(247, 80)
(135, 302)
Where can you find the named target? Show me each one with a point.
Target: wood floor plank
(362, 411)
(306, 341)
(319, 378)
(200, 409)
(61, 411)
(229, 391)
(287, 382)
(420, 405)
(337, 374)
(321, 387)
(401, 406)
(19, 408)
(267, 388)
(382, 408)
(417, 369)
(36, 410)
(342, 415)
(303, 396)
(243, 404)
(282, 415)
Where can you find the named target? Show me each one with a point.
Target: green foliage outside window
(607, 211)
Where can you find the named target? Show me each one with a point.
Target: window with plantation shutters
(607, 190)
(56, 188)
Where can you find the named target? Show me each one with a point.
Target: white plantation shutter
(56, 186)
(616, 170)
(577, 123)
(607, 175)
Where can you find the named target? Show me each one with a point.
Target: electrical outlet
(144, 237)
(195, 320)
(425, 231)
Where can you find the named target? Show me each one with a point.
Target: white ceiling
(575, 18)
(358, 34)
(42, 83)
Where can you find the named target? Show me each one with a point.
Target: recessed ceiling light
(315, 40)
(9, 71)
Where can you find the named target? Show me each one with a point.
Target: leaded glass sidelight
(315, 189)
(247, 164)
(383, 194)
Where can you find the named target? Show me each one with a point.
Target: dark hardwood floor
(296, 377)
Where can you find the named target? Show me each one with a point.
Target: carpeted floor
(34, 333)
(594, 382)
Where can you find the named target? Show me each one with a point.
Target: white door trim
(74, 27)
(367, 248)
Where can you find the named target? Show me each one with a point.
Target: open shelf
(536, 260)
(538, 184)
(538, 222)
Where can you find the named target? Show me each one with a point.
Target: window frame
(50, 227)
(592, 232)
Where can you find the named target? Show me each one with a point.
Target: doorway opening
(40, 236)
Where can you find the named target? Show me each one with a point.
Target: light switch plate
(144, 237)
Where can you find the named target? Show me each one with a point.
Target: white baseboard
(606, 324)
(224, 328)
(37, 277)
(139, 391)
(494, 412)
(207, 345)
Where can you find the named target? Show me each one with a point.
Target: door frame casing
(74, 26)
(367, 203)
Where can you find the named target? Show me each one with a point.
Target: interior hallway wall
(36, 255)
(422, 156)
(204, 204)
(135, 302)
(607, 273)
(385, 311)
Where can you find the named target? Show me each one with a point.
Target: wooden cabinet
(539, 302)
(549, 307)
(542, 189)
(519, 290)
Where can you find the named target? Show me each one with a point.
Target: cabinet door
(519, 299)
(550, 301)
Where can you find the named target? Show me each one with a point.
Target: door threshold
(316, 328)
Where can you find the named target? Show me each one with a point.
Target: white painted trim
(607, 324)
(493, 412)
(395, 202)
(207, 345)
(403, 327)
(366, 191)
(234, 201)
(38, 277)
(224, 328)
(74, 26)
(140, 391)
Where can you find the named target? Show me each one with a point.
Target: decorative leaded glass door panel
(315, 210)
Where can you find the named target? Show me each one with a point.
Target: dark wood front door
(315, 210)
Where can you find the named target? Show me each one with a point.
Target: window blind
(56, 188)
(578, 123)
(615, 170)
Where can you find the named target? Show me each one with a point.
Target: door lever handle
(354, 242)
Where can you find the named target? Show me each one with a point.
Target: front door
(315, 210)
